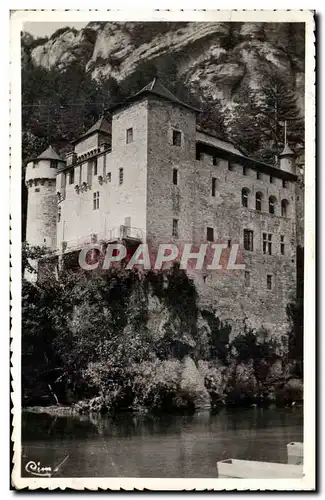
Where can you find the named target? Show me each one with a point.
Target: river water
(167, 446)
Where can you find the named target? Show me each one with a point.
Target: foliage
(86, 335)
(262, 119)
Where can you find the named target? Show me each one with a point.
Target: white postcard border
(166, 484)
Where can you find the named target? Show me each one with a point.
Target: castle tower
(287, 160)
(42, 203)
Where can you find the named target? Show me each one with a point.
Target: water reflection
(168, 446)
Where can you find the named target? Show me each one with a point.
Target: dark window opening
(71, 176)
(229, 243)
(177, 138)
(213, 186)
(96, 200)
(245, 171)
(248, 239)
(284, 208)
(258, 175)
(129, 135)
(271, 179)
(175, 228)
(215, 161)
(284, 183)
(272, 204)
(258, 202)
(95, 167)
(109, 176)
(282, 245)
(269, 281)
(54, 164)
(244, 197)
(210, 235)
(121, 176)
(175, 176)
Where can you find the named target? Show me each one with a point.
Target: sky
(42, 29)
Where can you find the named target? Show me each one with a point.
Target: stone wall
(41, 214)
(196, 209)
(117, 202)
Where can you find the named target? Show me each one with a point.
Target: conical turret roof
(49, 154)
(286, 151)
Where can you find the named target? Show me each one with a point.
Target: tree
(258, 120)
(244, 123)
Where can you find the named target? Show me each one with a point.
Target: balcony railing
(115, 234)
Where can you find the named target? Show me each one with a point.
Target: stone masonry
(153, 167)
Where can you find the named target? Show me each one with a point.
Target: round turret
(40, 180)
(287, 160)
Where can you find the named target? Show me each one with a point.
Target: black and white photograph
(162, 193)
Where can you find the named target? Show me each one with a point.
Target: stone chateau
(151, 175)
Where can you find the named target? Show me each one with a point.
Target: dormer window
(54, 164)
(177, 138)
(129, 135)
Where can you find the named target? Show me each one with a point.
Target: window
(120, 176)
(210, 235)
(284, 183)
(215, 161)
(35, 164)
(109, 177)
(198, 154)
(248, 239)
(95, 166)
(284, 208)
(267, 243)
(269, 281)
(245, 170)
(231, 166)
(175, 176)
(229, 243)
(271, 179)
(177, 138)
(37, 190)
(247, 278)
(213, 186)
(71, 176)
(258, 201)
(129, 135)
(96, 200)
(54, 164)
(59, 214)
(282, 244)
(244, 197)
(272, 202)
(175, 228)
(258, 175)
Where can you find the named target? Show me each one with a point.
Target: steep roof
(205, 137)
(287, 151)
(49, 154)
(156, 88)
(102, 125)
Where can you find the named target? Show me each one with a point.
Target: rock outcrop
(213, 59)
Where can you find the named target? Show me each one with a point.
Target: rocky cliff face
(213, 59)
